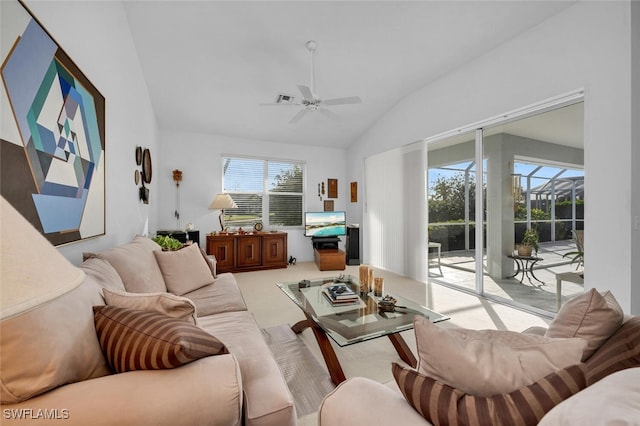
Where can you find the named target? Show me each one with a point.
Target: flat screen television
(325, 224)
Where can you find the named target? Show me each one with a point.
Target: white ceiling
(209, 64)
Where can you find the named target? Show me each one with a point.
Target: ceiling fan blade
(281, 104)
(332, 115)
(298, 116)
(306, 92)
(343, 101)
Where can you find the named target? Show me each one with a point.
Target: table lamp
(32, 271)
(222, 201)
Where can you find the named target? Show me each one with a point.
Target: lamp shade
(32, 271)
(222, 201)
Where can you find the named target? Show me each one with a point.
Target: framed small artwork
(333, 188)
(354, 192)
(328, 205)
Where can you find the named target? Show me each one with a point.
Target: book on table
(336, 302)
(341, 291)
(340, 294)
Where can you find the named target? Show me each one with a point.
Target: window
(270, 191)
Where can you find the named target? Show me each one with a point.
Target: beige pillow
(136, 265)
(490, 362)
(184, 270)
(143, 340)
(169, 304)
(591, 316)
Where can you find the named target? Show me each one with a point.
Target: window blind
(265, 190)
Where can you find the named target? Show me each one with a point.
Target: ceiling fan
(310, 100)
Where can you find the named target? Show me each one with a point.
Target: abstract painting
(52, 138)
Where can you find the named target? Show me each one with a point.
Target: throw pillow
(169, 304)
(620, 352)
(591, 316)
(136, 265)
(140, 340)
(490, 362)
(443, 405)
(184, 270)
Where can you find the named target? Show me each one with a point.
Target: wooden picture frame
(332, 191)
(354, 192)
(328, 205)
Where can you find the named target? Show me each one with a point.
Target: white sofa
(608, 394)
(54, 370)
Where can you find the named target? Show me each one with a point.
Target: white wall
(96, 37)
(199, 157)
(585, 46)
(635, 149)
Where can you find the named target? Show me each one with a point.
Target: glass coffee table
(352, 323)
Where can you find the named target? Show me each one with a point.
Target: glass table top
(357, 322)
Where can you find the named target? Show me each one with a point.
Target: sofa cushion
(591, 316)
(443, 405)
(268, 399)
(221, 296)
(51, 345)
(184, 270)
(489, 362)
(143, 340)
(136, 265)
(615, 400)
(621, 351)
(169, 304)
(211, 262)
(103, 273)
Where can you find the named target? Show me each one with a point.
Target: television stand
(330, 259)
(325, 242)
(327, 255)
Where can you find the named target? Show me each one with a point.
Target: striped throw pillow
(443, 405)
(621, 351)
(143, 340)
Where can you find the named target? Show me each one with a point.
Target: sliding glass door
(451, 198)
(531, 179)
(534, 170)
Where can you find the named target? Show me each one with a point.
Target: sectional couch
(56, 369)
(584, 369)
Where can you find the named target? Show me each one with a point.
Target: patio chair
(578, 237)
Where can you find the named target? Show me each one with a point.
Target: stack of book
(340, 294)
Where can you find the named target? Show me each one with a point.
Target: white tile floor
(457, 269)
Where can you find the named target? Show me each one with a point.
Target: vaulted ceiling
(209, 64)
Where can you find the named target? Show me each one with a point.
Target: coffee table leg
(403, 349)
(329, 355)
(301, 326)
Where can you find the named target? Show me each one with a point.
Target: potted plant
(529, 243)
(167, 243)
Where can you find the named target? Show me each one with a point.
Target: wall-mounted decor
(177, 178)
(332, 185)
(147, 170)
(138, 155)
(52, 136)
(328, 205)
(354, 192)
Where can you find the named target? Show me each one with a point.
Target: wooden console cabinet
(248, 252)
(329, 259)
